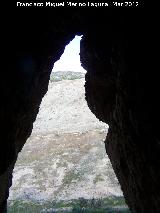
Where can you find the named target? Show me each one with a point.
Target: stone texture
(120, 90)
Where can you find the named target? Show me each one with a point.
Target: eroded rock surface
(120, 90)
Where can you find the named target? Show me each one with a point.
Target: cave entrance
(64, 162)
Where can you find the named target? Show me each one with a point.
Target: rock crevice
(119, 91)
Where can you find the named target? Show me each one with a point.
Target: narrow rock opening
(63, 165)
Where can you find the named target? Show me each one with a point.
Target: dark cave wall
(122, 91)
(32, 53)
(119, 91)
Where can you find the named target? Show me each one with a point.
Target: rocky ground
(64, 159)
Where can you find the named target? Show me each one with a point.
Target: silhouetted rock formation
(119, 89)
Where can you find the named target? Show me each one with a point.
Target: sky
(70, 59)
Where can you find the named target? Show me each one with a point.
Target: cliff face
(120, 90)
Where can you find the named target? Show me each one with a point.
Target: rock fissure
(119, 91)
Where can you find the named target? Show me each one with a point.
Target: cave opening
(64, 160)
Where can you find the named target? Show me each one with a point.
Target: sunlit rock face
(119, 90)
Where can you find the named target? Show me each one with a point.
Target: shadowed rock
(120, 90)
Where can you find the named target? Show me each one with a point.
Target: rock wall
(119, 90)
